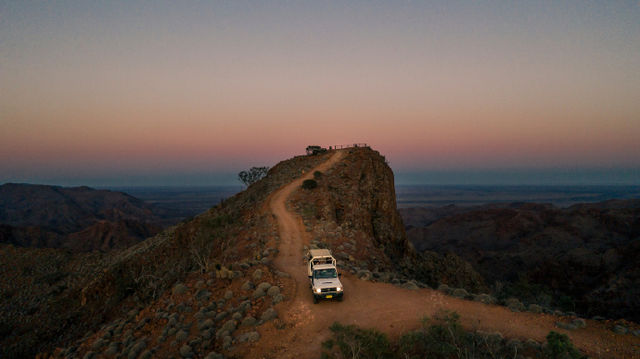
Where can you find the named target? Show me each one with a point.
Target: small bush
(317, 175)
(350, 341)
(560, 346)
(309, 184)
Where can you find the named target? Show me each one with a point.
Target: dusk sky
(189, 93)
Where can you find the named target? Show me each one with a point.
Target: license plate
(329, 296)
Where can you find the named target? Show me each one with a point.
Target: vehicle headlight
(318, 290)
(339, 289)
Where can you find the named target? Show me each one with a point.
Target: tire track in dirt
(391, 309)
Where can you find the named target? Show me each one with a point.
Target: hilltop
(231, 283)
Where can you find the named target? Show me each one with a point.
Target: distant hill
(582, 258)
(77, 218)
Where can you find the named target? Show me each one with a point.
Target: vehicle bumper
(328, 295)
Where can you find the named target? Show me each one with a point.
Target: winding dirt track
(391, 309)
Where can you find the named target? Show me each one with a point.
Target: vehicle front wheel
(315, 300)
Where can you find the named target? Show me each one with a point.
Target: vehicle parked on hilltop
(315, 150)
(323, 275)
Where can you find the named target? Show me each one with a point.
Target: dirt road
(391, 309)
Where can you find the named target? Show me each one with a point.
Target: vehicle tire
(315, 300)
(340, 298)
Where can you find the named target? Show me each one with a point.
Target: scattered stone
(268, 315)
(484, 298)
(579, 323)
(277, 299)
(206, 324)
(112, 349)
(619, 329)
(186, 351)
(364, 274)
(514, 304)
(221, 315)
(195, 342)
(229, 326)
(261, 290)
(99, 344)
(236, 316)
(181, 335)
(203, 294)
(460, 293)
(89, 355)
(247, 286)
(200, 315)
(222, 333)
(248, 337)
(147, 354)
(226, 342)
(207, 334)
(264, 286)
(636, 333)
(411, 285)
(273, 291)
(137, 349)
(244, 306)
(567, 326)
(444, 288)
(214, 355)
(534, 308)
(598, 318)
(179, 289)
(200, 284)
(257, 274)
(228, 295)
(249, 321)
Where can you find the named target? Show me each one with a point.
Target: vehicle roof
(320, 253)
(324, 266)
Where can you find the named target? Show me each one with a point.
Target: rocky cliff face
(355, 202)
(81, 219)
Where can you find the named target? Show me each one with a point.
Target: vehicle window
(325, 273)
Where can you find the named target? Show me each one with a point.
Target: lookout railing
(339, 147)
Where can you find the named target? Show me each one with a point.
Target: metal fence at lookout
(339, 147)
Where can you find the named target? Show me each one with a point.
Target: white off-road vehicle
(323, 275)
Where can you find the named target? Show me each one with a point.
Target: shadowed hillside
(79, 218)
(582, 258)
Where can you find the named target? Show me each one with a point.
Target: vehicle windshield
(325, 273)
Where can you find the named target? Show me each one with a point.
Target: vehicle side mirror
(339, 274)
